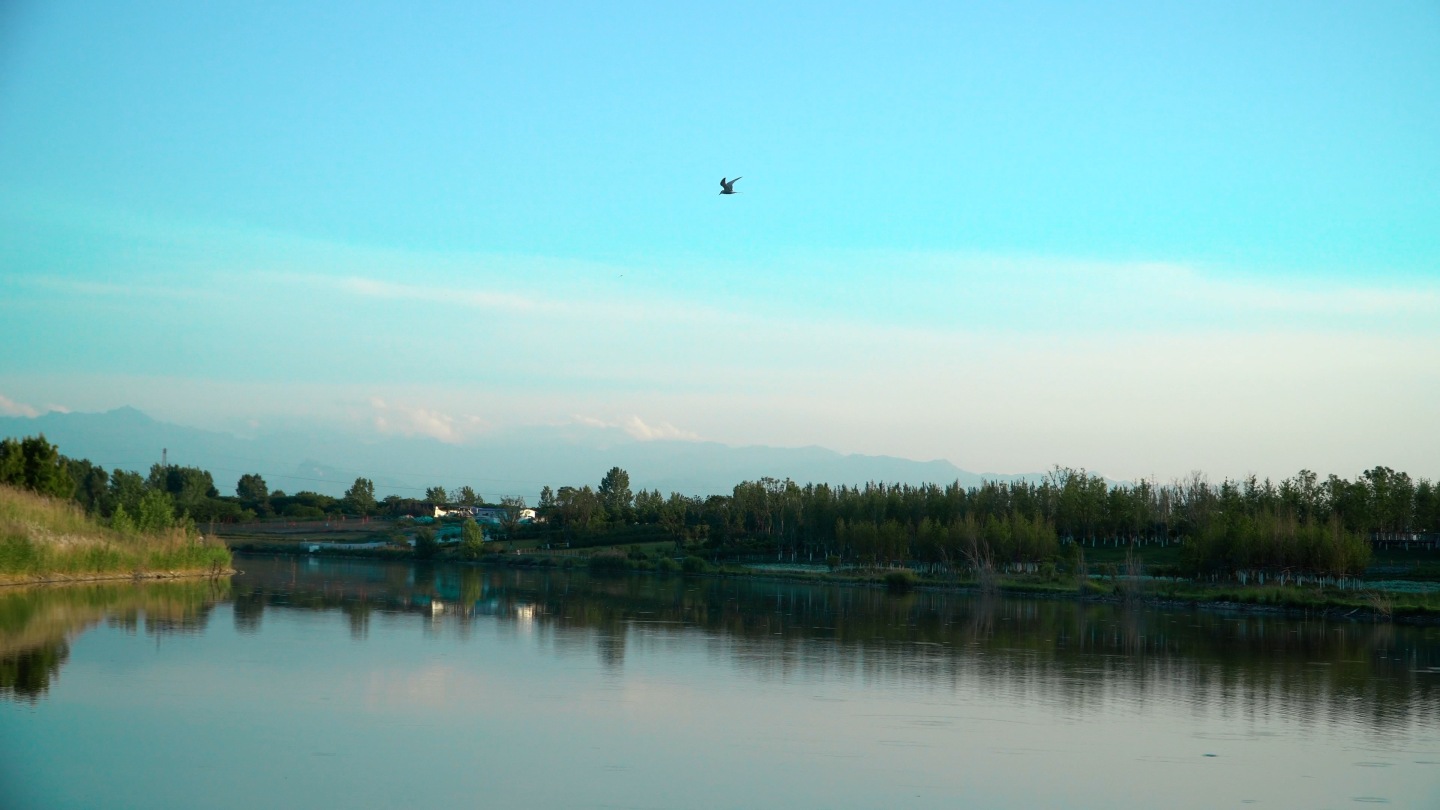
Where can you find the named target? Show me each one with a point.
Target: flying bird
(728, 186)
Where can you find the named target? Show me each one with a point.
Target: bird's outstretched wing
(722, 182)
(733, 182)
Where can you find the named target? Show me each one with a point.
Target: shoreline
(132, 576)
(1100, 594)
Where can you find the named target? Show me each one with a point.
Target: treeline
(256, 500)
(182, 492)
(129, 502)
(1302, 523)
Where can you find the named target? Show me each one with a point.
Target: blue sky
(1141, 238)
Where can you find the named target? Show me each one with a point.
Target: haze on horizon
(1135, 238)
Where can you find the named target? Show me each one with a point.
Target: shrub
(426, 546)
(695, 565)
(900, 580)
(668, 565)
(472, 540)
(300, 511)
(122, 522)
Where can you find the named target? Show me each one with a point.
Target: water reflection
(26, 675)
(1077, 658)
(331, 677)
(37, 623)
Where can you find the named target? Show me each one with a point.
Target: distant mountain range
(519, 463)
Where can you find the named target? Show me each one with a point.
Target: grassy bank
(43, 539)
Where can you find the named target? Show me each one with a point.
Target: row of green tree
(1380, 502)
(1301, 523)
(34, 463)
(254, 496)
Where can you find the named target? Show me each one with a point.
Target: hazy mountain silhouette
(517, 463)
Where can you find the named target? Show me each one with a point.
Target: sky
(1139, 238)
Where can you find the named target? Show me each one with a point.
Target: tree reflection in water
(1081, 657)
(37, 623)
(1078, 658)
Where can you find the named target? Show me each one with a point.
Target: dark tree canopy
(614, 492)
(126, 490)
(251, 488)
(92, 485)
(35, 464)
(360, 497)
(191, 488)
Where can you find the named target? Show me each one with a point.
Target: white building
(483, 514)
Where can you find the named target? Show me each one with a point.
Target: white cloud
(590, 421)
(944, 290)
(405, 420)
(639, 430)
(440, 294)
(147, 289)
(9, 407)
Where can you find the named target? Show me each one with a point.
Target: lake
(357, 683)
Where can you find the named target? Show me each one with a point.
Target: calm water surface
(369, 684)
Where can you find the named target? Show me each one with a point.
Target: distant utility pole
(164, 457)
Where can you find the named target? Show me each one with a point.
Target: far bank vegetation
(1236, 530)
(1303, 527)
